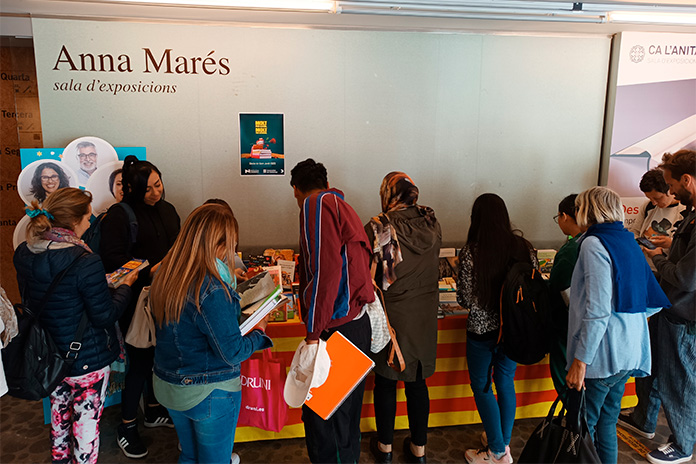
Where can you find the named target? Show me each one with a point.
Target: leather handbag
(34, 366)
(564, 438)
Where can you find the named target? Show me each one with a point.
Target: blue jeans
(603, 397)
(646, 411)
(498, 416)
(676, 380)
(206, 431)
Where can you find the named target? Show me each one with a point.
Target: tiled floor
(25, 439)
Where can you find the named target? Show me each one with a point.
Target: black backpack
(92, 237)
(525, 314)
(34, 366)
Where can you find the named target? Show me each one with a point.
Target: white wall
(462, 114)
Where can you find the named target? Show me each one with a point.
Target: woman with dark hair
(613, 292)
(559, 284)
(53, 245)
(157, 228)
(48, 177)
(116, 184)
(491, 248)
(405, 240)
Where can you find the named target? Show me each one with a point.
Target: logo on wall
(637, 53)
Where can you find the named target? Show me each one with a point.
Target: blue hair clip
(32, 213)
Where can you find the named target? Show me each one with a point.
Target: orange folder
(349, 366)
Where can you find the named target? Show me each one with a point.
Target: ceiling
(475, 16)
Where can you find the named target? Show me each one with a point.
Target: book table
(451, 399)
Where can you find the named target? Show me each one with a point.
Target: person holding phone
(658, 217)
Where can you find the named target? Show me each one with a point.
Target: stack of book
(259, 296)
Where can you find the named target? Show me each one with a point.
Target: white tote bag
(141, 333)
(378, 322)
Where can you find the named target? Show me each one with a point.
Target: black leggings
(138, 376)
(417, 407)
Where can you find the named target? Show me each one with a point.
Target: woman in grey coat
(406, 240)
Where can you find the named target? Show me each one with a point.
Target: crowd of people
(618, 311)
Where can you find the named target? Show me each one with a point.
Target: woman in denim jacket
(199, 345)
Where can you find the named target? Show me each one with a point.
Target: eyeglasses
(52, 178)
(555, 218)
(85, 155)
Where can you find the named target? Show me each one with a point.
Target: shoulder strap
(132, 220)
(75, 346)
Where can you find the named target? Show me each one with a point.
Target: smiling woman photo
(48, 177)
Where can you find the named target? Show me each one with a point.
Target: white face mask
(228, 277)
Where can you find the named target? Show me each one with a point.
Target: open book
(257, 311)
(116, 278)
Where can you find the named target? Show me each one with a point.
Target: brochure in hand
(116, 278)
(256, 312)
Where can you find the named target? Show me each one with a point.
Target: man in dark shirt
(676, 326)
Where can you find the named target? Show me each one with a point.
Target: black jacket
(82, 289)
(158, 227)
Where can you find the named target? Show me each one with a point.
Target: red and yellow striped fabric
(451, 399)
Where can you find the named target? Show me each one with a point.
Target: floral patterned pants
(76, 407)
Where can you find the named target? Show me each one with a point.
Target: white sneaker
(235, 459)
(484, 442)
(484, 456)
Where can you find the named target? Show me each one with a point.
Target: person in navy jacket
(53, 243)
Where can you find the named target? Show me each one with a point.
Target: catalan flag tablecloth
(451, 399)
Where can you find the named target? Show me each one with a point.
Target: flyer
(262, 144)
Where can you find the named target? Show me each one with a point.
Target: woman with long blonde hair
(199, 345)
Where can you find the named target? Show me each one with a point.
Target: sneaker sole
(675, 461)
(636, 430)
(130, 455)
(152, 425)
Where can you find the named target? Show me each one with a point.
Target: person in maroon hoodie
(335, 284)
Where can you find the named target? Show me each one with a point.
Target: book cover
(116, 278)
(287, 270)
(349, 366)
(253, 315)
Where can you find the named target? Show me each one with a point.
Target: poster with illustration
(262, 144)
(653, 109)
(43, 172)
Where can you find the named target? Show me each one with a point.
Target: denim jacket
(206, 346)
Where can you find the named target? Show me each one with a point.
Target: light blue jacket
(607, 341)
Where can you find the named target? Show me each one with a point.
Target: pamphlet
(116, 278)
(287, 269)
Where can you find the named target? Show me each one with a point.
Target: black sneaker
(158, 416)
(668, 454)
(129, 441)
(626, 421)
